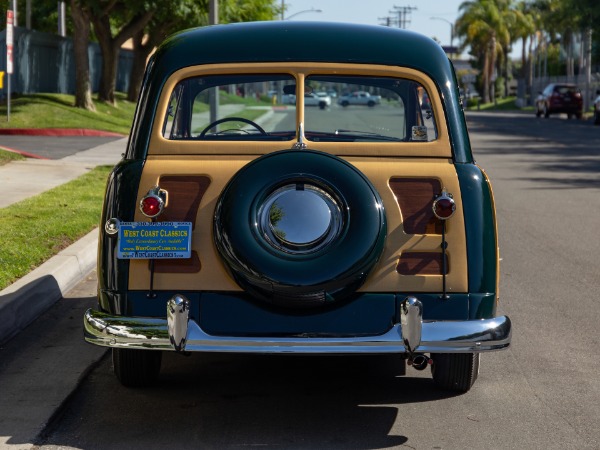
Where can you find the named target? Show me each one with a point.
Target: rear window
(565, 89)
(369, 109)
(264, 108)
(231, 107)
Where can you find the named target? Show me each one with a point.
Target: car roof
(303, 41)
(281, 41)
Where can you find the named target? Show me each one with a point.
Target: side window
(174, 102)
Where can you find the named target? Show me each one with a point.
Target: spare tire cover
(299, 228)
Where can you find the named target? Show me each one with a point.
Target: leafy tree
(170, 18)
(116, 21)
(523, 28)
(484, 25)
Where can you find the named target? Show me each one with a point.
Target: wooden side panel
(415, 198)
(385, 277)
(191, 265)
(421, 263)
(185, 194)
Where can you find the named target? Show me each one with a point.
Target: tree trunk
(110, 47)
(492, 78)
(141, 52)
(506, 62)
(530, 71)
(524, 57)
(108, 76)
(486, 78)
(81, 35)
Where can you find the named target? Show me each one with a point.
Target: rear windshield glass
(263, 108)
(367, 109)
(232, 107)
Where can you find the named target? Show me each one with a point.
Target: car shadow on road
(558, 152)
(248, 400)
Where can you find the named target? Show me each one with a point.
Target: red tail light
(444, 206)
(153, 202)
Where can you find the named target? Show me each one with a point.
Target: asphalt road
(543, 393)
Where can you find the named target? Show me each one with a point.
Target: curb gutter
(22, 302)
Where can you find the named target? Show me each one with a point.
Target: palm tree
(523, 28)
(483, 25)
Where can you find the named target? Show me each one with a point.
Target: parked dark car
(242, 225)
(559, 98)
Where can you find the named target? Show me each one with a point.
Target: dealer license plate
(154, 240)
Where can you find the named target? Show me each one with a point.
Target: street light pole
(451, 29)
(301, 12)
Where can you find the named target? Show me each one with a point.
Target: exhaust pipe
(419, 361)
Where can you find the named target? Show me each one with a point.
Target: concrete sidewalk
(25, 300)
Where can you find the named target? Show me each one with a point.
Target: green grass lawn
(501, 104)
(35, 229)
(57, 111)
(6, 157)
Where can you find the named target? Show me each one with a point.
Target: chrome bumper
(412, 335)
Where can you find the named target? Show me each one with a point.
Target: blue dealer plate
(154, 240)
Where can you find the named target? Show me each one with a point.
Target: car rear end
(566, 98)
(243, 226)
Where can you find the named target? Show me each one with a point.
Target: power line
(403, 15)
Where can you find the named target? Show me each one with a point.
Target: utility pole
(403, 15)
(14, 9)
(213, 12)
(387, 21)
(28, 14)
(62, 27)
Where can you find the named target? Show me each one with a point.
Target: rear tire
(455, 371)
(136, 368)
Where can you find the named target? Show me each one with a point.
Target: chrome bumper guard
(412, 335)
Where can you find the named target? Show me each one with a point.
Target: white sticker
(419, 133)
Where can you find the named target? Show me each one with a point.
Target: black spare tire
(299, 228)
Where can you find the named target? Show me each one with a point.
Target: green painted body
(305, 42)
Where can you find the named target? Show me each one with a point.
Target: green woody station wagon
(245, 219)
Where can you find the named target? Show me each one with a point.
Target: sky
(374, 12)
